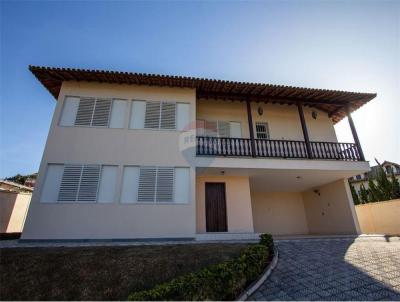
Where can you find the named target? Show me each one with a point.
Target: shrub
(268, 241)
(223, 281)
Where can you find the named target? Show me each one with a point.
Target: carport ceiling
(271, 180)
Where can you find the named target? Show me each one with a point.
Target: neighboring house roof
(10, 186)
(333, 102)
(374, 172)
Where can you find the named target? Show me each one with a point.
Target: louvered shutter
(147, 184)
(165, 184)
(101, 113)
(85, 112)
(89, 183)
(70, 183)
(152, 117)
(223, 129)
(168, 116)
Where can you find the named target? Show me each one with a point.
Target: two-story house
(362, 179)
(133, 156)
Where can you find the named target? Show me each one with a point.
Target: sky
(344, 45)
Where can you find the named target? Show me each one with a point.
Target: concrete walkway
(334, 269)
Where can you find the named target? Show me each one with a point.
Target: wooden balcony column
(354, 132)
(251, 129)
(305, 131)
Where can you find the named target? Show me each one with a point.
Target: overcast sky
(345, 45)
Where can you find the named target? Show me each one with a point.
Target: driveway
(334, 269)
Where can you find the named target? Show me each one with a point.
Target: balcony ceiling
(333, 102)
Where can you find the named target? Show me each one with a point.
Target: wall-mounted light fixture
(260, 110)
(314, 114)
(316, 191)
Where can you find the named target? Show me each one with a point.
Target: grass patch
(101, 273)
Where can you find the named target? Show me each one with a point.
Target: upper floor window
(93, 112)
(219, 129)
(262, 130)
(159, 115)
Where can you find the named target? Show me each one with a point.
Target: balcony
(266, 148)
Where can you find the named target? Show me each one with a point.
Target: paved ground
(334, 269)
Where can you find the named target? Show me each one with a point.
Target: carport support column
(354, 132)
(251, 130)
(304, 127)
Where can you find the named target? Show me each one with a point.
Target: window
(107, 184)
(155, 185)
(219, 129)
(91, 112)
(183, 116)
(159, 115)
(358, 177)
(262, 130)
(79, 183)
(389, 169)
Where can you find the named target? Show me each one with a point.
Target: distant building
(31, 181)
(14, 203)
(388, 166)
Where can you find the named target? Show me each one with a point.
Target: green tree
(20, 179)
(384, 186)
(363, 194)
(375, 193)
(395, 187)
(354, 194)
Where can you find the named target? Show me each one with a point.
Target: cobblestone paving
(334, 269)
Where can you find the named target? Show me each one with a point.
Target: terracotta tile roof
(333, 102)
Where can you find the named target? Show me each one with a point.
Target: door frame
(226, 204)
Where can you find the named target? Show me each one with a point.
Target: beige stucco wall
(116, 147)
(13, 209)
(330, 209)
(238, 203)
(283, 120)
(379, 217)
(279, 213)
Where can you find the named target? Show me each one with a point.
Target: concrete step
(227, 236)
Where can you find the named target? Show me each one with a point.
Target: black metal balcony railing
(220, 146)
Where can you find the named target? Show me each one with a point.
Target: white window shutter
(70, 183)
(69, 111)
(183, 116)
(89, 183)
(168, 116)
(182, 185)
(52, 182)
(152, 117)
(165, 184)
(235, 129)
(147, 184)
(138, 112)
(108, 183)
(223, 129)
(101, 113)
(130, 183)
(85, 112)
(117, 119)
